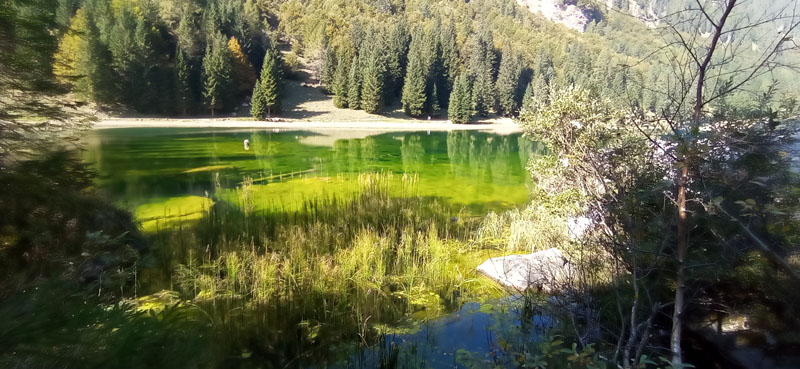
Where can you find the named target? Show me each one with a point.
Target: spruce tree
(397, 57)
(482, 70)
(329, 65)
(133, 57)
(449, 60)
(354, 85)
(507, 80)
(460, 107)
(340, 87)
(183, 92)
(434, 106)
(528, 102)
(541, 92)
(414, 89)
(374, 74)
(266, 99)
(544, 66)
(217, 74)
(258, 103)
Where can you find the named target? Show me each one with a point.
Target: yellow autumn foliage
(243, 72)
(74, 46)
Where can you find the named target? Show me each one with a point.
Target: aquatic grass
(338, 265)
(533, 228)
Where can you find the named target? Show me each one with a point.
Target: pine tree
(97, 66)
(266, 99)
(414, 89)
(186, 35)
(460, 107)
(354, 85)
(541, 92)
(329, 64)
(183, 91)
(507, 80)
(258, 103)
(434, 107)
(374, 74)
(397, 55)
(217, 74)
(482, 70)
(528, 102)
(340, 87)
(448, 51)
(243, 73)
(544, 66)
(133, 57)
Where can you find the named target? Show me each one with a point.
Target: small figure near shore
(246, 144)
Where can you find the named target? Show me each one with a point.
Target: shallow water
(475, 336)
(163, 172)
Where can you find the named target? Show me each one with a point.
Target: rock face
(577, 18)
(568, 15)
(543, 270)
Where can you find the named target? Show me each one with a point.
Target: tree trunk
(680, 280)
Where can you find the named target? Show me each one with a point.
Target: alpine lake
(324, 248)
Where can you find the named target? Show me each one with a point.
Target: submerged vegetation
(336, 269)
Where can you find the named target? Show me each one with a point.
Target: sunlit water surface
(163, 172)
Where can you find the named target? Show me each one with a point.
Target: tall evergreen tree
(329, 64)
(460, 107)
(416, 81)
(340, 88)
(186, 35)
(544, 66)
(541, 92)
(217, 72)
(397, 57)
(434, 108)
(133, 57)
(183, 90)
(374, 74)
(266, 99)
(448, 54)
(507, 79)
(528, 102)
(354, 85)
(482, 70)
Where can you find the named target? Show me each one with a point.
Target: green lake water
(166, 174)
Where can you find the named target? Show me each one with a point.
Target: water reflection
(474, 336)
(140, 166)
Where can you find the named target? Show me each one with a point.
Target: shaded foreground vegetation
(241, 287)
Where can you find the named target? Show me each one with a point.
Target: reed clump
(336, 264)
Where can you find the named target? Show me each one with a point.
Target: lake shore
(497, 125)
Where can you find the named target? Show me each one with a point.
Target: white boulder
(543, 270)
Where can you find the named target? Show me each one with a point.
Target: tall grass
(326, 272)
(533, 228)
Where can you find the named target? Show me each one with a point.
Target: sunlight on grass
(171, 211)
